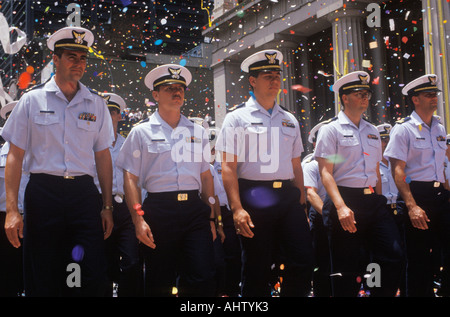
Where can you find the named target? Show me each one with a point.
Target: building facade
(394, 41)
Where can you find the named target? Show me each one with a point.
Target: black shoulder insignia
(285, 109)
(330, 120)
(237, 107)
(95, 92)
(402, 120)
(38, 85)
(142, 121)
(366, 119)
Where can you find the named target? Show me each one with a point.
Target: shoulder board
(237, 107)
(402, 120)
(367, 119)
(285, 109)
(330, 120)
(35, 87)
(95, 92)
(38, 85)
(142, 121)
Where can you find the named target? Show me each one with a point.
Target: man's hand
(107, 222)
(143, 232)
(14, 227)
(347, 219)
(418, 217)
(243, 223)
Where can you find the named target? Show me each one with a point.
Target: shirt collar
(254, 105)
(155, 119)
(417, 120)
(83, 91)
(343, 119)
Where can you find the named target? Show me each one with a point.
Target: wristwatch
(108, 208)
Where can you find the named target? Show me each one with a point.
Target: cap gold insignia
(78, 37)
(175, 72)
(432, 80)
(271, 57)
(364, 79)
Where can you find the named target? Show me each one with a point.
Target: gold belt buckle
(182, 197)
(367, 191)
(436, 184)
(277, 184)
(69, 177)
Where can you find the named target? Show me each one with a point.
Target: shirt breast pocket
(256, 129)
(156, 147)
(46, 119)
(422, 144)
(86, 125)
(193, 151)
(347, 142)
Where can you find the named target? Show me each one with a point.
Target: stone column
(348, 43)
(437, 50)
(230, 88)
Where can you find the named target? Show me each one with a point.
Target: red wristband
(138, 209)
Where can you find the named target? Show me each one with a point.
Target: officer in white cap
(122, 247)
(168, 157)
(416, 151)
(315, 195)
(11, 280)
(61, 132)
(261, 147)
(348, 151)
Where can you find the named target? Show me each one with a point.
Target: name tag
(46, 111)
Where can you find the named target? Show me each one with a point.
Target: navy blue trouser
(281, 235)
(228, 257)
(376, 240)
(184, 253)
(62, 225)
(321, 277)
(420, 261)
(122, 254)
(11, 273)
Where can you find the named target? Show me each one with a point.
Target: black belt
(278, 183)
(55, 177)
(425, 185)
(185, 195)
(357, 191)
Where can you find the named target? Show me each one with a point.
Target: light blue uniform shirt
(311, 177)
(59, 137)
(388, 187)
(264, 143)
(166, 159)
(23, 181)
(117, 186)
(354, 150)
(421, 147)
(219, 190)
